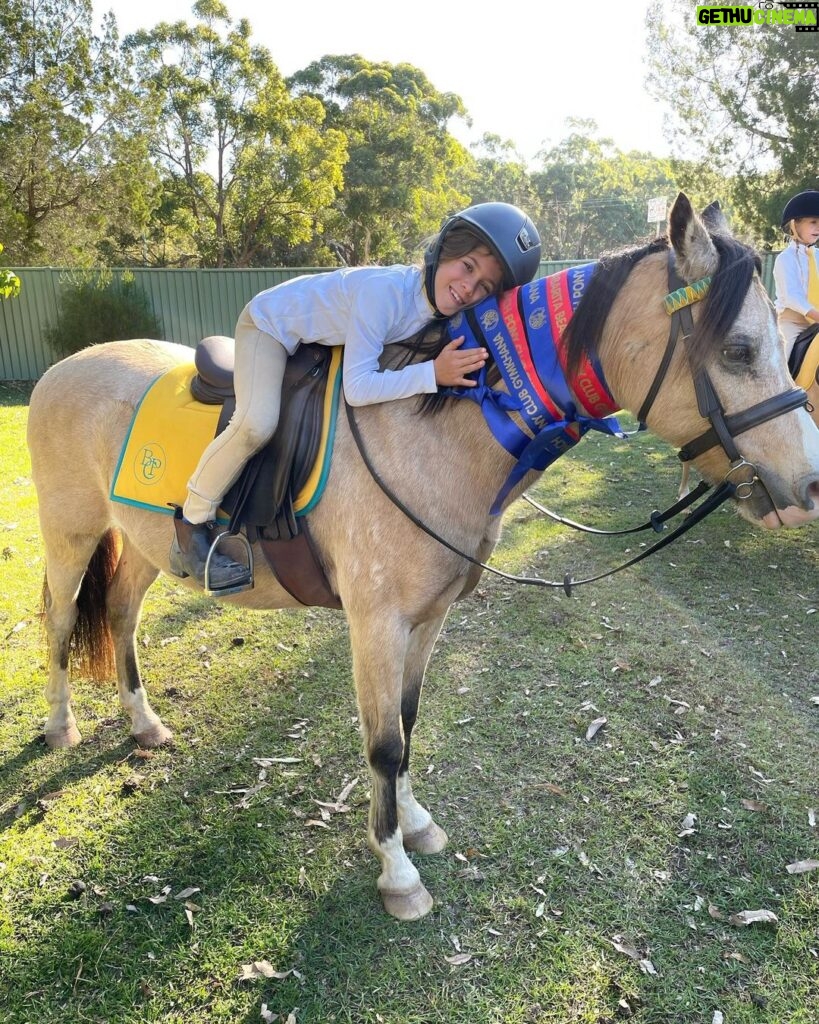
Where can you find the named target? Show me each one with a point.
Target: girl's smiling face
(806, 230)
(462, 282)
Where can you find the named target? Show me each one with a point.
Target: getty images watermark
(803, 16)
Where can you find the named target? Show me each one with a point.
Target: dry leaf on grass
(595, 727)
(622, 945)
(66, 842)
(185, 893)
(458, 959)
(799, 867)
(162, 897)
(261, 969)
(746, 917)
(754, 805)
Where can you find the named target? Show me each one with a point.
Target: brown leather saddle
(261, 501)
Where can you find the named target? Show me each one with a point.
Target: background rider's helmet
(805, 204)
(509, 233)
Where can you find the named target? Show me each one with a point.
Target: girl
(796, 268)
(478, 252)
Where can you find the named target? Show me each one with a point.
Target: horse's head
(722, 390)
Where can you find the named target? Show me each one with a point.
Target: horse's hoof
(157, 736)
(68, 737)
(407, 906)
(431, 839)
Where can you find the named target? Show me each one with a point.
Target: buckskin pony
(395, 582)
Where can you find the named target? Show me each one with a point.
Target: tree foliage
(593, 197)
(71, 159)
(184, 145)
(9, 282)
(745, 98)
(245, 165)
(402, 159)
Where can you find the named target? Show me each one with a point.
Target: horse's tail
(91, 642)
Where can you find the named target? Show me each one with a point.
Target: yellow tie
(813, 279)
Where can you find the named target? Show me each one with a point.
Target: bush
(9, 282)
(101, 308)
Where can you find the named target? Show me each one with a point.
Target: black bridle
(724, 427)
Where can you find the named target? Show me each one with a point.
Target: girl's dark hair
(460, 240)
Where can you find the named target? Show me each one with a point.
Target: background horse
(397, 583)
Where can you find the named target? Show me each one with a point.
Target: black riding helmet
(508, 232)
(804, 204)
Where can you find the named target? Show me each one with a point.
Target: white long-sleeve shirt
(791, 277)
(362, 308)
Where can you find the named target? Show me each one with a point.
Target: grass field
(587, 880)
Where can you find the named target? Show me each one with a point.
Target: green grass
(702, 660)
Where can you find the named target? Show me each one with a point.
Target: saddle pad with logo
(170, 430)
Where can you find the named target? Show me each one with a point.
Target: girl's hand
(454, 363)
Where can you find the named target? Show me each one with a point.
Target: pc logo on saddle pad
(150, 463)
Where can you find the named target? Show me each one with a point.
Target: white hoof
(157, 736)
(407, 906)
(68, 737)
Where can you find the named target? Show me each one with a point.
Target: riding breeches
(791, 325)
(258, 372)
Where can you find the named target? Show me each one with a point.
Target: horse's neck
(446, 464)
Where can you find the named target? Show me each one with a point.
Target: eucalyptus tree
(743, 97)
(498, 173)
(245, 165)
(399, 182)
(593, 196)
(71, 146)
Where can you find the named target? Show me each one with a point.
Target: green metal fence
(190, 304)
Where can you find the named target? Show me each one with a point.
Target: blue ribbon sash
(523, 330)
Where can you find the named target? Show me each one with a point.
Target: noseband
(724, 427)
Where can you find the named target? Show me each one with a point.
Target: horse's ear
(695, 252)
(714, 219)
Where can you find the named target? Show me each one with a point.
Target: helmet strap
(430, 267)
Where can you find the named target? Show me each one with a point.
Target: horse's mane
(729, 285)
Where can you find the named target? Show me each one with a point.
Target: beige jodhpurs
(791, 325)
(257, 377)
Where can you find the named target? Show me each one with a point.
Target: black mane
(729, 285)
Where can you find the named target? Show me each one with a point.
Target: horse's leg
(379, 649)
(124, 601)
(420, 832)
(67, 558)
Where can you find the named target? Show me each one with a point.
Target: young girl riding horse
(796, 268)
(477, 253)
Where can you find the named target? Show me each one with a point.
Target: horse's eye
(737, 354)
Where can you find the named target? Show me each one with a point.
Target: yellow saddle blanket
(807, 374)
(170, 430)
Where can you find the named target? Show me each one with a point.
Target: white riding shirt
(362, 308)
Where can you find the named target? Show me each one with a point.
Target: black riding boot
(189, 554)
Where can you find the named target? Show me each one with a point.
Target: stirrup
(235, 588)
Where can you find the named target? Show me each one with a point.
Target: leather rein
(724, 428)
